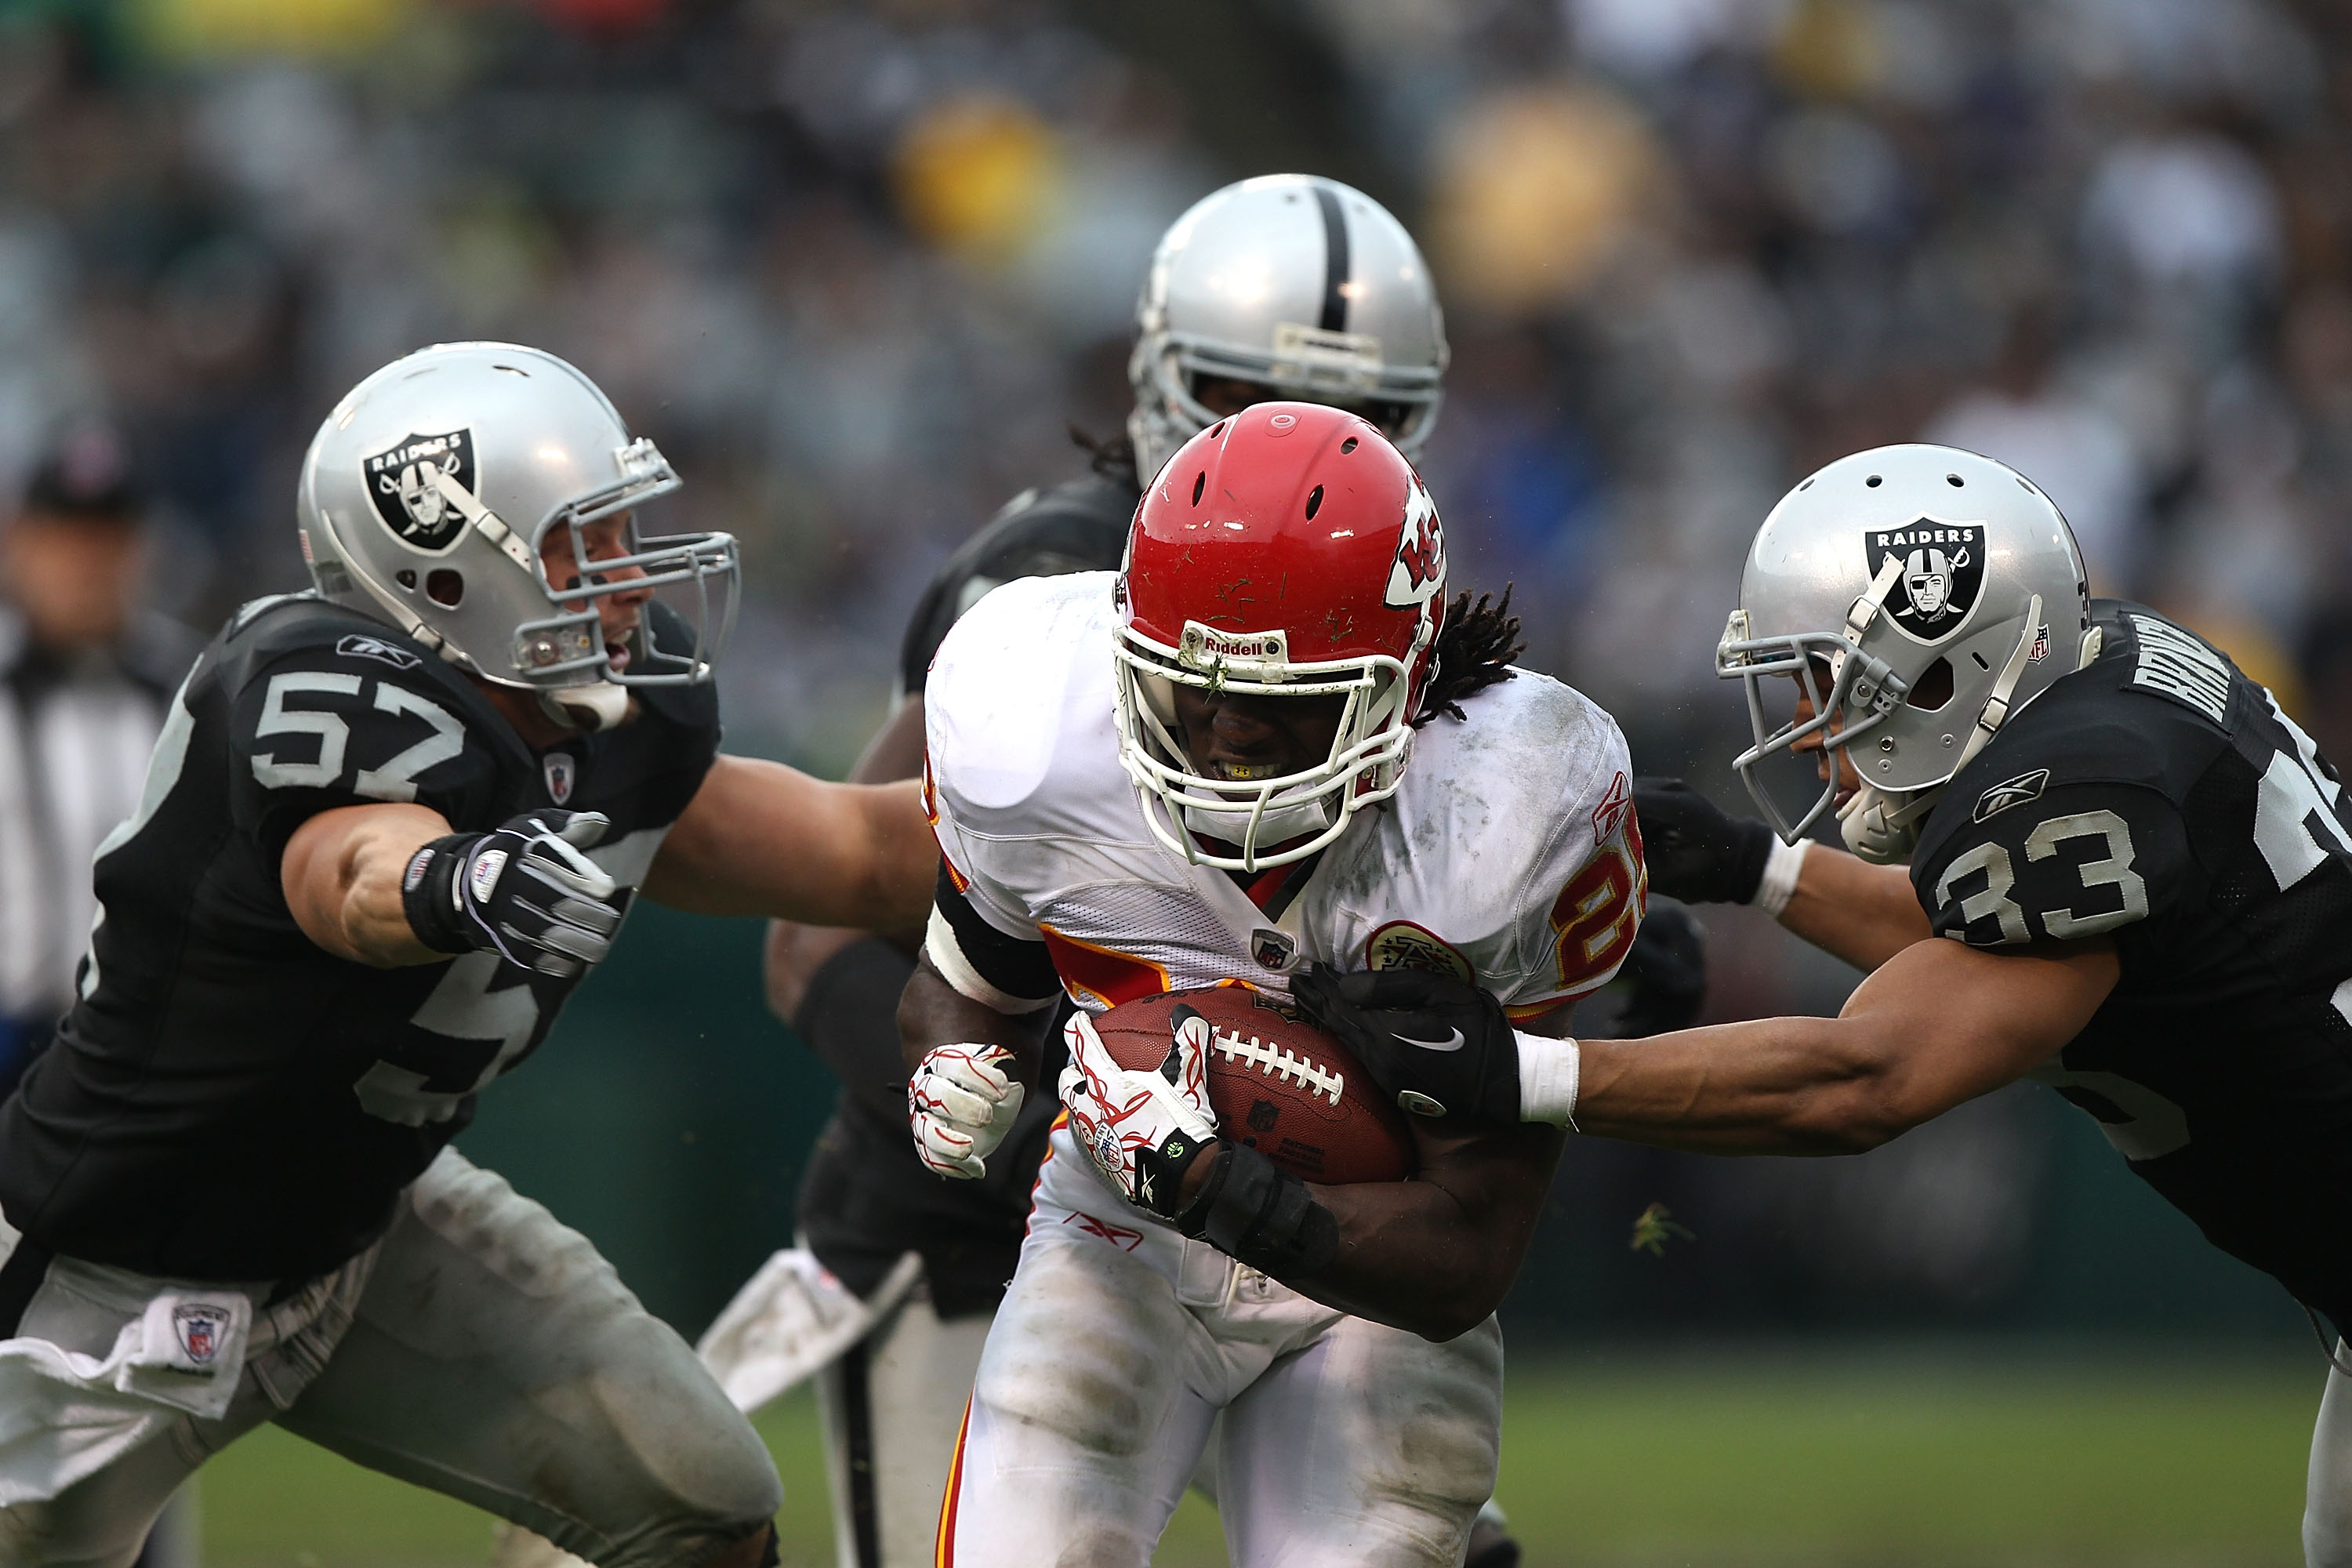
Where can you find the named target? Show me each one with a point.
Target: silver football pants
(480, 1350)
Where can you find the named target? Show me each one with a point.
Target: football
(1278, 1084)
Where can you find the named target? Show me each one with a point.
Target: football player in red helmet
(1269, 741)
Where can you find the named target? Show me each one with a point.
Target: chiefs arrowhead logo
(1419, 573)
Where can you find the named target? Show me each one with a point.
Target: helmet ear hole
(1934, 687)
(1314, 502)
(445, 588)
(1200, 483)
(405, 578)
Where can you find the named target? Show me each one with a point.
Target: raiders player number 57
(2142, 865)
(390, 825)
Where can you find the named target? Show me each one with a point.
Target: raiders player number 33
(391, 824)
(2143, 867)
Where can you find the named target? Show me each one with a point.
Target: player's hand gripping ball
(523, 891)
(1441, 1045)
(959, 1104)
(1143, 1127)
(1275, 1082)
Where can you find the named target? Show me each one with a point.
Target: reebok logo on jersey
(1612, 809)
(2012, 792)
(359, 645)
(484, 879)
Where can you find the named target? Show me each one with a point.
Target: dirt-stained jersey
(1509, 855)
(2160, 798)
(227, 1100)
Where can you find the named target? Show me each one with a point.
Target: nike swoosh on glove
(1441, 1045)
(961, 1104)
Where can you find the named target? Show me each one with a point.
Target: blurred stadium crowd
(858, 266)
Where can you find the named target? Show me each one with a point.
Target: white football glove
(1143, 1129)
(961, 1104)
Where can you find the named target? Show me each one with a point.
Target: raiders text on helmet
(1918, 594)
(428, 491)
(1296, 282)
(1290, 551)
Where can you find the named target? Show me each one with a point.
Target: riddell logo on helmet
(1203, 644)
(1419, 574)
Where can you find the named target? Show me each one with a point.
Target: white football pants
(1345, 1444)
(2327, 1494)
(892, 1406)
(480, 1348)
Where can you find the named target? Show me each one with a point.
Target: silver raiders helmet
(1298, 283)
(430, 491)
(1918, 595)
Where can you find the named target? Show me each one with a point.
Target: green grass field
(1646, 1457)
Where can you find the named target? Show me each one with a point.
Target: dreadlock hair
(1113, 459)
(1474, 652)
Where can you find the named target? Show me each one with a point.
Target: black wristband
(428, 893)
(1746, 872)
(1260, 1215)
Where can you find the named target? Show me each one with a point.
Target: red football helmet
(1290, 550)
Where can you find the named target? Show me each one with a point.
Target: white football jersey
(1509, 855)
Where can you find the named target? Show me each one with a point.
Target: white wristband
(1547, 1074)
(1782, 868)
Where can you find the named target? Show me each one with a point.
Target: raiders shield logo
(1943, 572)
(404, 484)
(561, 769)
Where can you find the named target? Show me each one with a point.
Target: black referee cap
(87, 474)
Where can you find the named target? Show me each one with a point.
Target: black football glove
(1440, 1044)
(1664, 975)
(1696, 851)
(523, 891)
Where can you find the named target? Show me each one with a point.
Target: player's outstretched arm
(1700, 854)
(760, 839)
(342, 873)
(1938, 1024)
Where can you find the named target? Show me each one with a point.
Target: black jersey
(865, 1198)
(227, 1100)
(2160, 798)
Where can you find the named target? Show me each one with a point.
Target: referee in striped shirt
(85, 677)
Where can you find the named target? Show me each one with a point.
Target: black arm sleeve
(1017, 968)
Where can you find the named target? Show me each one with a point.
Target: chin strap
(601, 706)
(1882, 827)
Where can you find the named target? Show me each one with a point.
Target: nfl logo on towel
(199, 1328)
